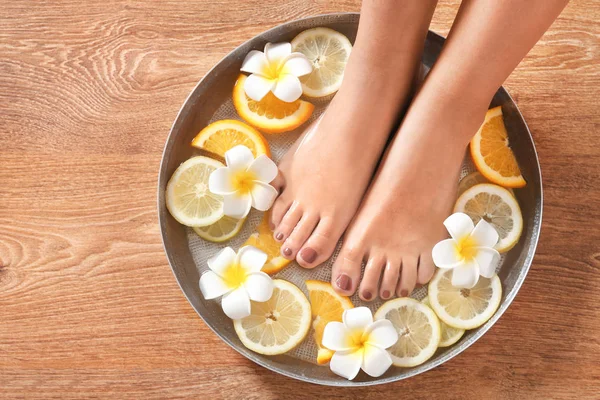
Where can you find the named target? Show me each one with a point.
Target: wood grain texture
(88, 305)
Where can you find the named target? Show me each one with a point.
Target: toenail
(403, 293)
(308, 255)
(385, 294)
(279, 236)
(287, 252)
(344, 282)
(367, 295)
(272, 226)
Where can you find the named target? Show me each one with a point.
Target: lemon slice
(464, 308)
(263, 240)
(497, 206)
(450, 335)
(328, 51)
(222, 230)
(225, 134)
(418, 331)
(326, 306)
(187, 196)
(492, 154)
(270, 115)
(277, 325)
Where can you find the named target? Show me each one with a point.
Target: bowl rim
(456, 350)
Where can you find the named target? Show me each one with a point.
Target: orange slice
(263, 240)
(492, 154)
(270, 115)
(225, 134)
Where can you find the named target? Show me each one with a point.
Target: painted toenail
(272, 226)
(343, 281)
(404, 293)
(367, 295)
(385, 294)
(308, 255)
(287, 252)
(279, 236)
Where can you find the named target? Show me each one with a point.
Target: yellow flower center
(466, 248)
(243, 181)
(235, 275)
(359, 339)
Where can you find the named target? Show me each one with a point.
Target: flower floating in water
(359, 342)
(470, 252)
(244, 182)
(276, 70)
(237, 277)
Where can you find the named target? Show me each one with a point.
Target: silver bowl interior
(215, 88)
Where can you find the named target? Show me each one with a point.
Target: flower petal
(221, 261)
(485, 234)
(347, 363)
(212, 285)
(287, 88)
(236, 304)
(263, 195)
(358, 318)
(375, 360)
(236, 205)
(465, 275)
(487, 260)
(251, 258)
(239, 157)
(296, 64)
(381, 334)
(459, 225)
(219, 181)
(257, 86)
(255, 63)
(337, 337)
(444, 254)
(277, 52)
(263, 168)
(259, 286)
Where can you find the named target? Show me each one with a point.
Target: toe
(320, 245)
(279, 182)
(289, 221)
(426, 268)
(370, 280)
(389, 283)
(408, 276)
(301, 232)
(346, 270)
(280, 208)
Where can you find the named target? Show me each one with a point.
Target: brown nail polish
(385, 294)
(403, 293)
(287, 252)
(343, 282)
(272, 226)
(308, 255)
(279, 236)
(367, 295)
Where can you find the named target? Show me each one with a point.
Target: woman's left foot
(401, 217)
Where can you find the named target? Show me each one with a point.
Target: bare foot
(325, 174)
(401, 217)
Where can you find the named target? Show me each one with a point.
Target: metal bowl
(215, 89)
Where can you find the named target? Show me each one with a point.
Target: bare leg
(326, 174)
(400, 219)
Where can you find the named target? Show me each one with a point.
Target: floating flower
(470, 251)
(237, 277)
(359, 342)
(276, 70)
(244, 182)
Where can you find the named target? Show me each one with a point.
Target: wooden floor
(88, 304)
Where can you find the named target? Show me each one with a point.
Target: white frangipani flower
(358, 343)
(244, 182)
(237, 277)
(470, 251)
(276, 70)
